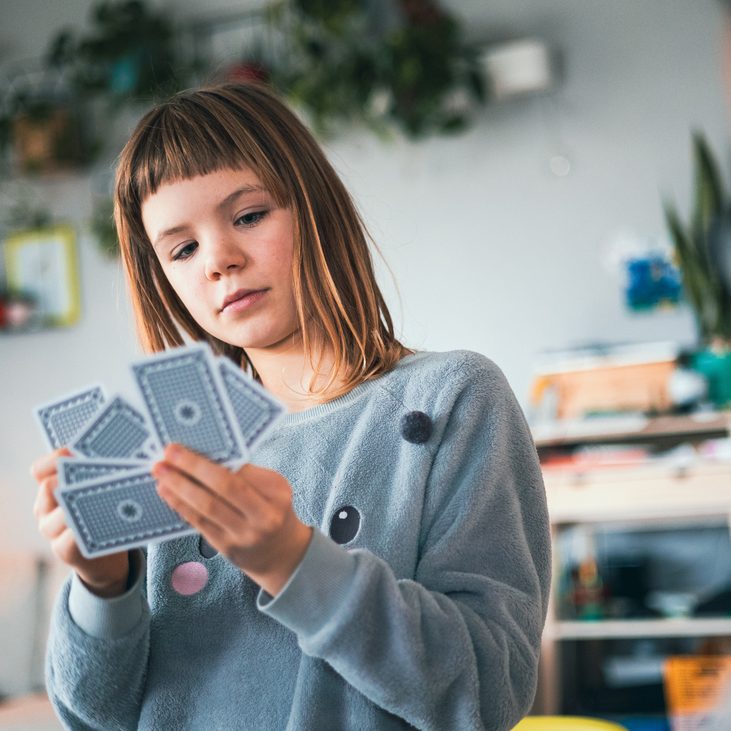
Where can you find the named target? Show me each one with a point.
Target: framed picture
(41, 268)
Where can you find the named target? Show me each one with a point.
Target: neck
(286, 372)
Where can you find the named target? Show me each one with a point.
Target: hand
(246, 515)
(105, 576)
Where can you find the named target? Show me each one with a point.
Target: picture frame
(41, 266)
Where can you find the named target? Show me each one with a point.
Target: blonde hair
(230, 126)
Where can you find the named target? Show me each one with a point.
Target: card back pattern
(186, 405)
(120, 512)
(73, 471)
(62, 420)
(118, 430)
(255, 411)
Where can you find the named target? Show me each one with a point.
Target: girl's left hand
(246, 515)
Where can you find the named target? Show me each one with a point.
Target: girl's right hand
(105, 576)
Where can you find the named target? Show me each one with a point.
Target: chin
(254, 340)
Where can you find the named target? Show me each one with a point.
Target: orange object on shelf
(694, 687)
(607, 388)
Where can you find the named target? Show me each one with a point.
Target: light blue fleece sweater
(419, 603)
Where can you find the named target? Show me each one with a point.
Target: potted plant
(703, 251)
(398, 65)
(41, 126)
(128, 54)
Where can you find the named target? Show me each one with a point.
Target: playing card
(119, 512)
(116, 430)
(186, 403)
(256, 411)
(62, 419)
(74, 471)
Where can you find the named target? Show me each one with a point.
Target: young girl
(384, 561)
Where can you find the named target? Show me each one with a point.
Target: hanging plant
(127, 55)
(346, 64)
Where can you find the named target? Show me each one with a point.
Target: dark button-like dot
(206, 549)
(416, 427)
(344, 524)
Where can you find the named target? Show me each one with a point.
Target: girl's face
(218, 237)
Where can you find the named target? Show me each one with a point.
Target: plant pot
(715, 367)
(48, 142)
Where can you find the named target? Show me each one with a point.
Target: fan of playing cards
(191, 397)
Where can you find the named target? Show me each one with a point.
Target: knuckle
(64, 547)
(49, 483)
(271, 524)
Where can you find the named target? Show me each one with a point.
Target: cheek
(189, 289)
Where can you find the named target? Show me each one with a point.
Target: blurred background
(547, 185)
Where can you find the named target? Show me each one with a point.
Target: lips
(237, 295)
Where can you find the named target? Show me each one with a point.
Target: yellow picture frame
(42, 264)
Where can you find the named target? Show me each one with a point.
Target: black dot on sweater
(344, 524)
(206, 549)
(416, 427)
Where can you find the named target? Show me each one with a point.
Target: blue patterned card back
(119, 512)
(75, 470)
(256, 410)
(186, 403)
(61, 420)
(117, 430)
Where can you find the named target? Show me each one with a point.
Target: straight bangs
(186, 139)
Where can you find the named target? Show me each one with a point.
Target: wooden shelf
(638, 628)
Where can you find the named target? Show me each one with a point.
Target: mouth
(242, 297)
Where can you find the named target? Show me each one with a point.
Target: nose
(223, 256)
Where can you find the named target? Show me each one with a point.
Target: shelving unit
(633, 628)
(660, 491)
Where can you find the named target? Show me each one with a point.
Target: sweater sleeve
(458, 646)
(96, 658)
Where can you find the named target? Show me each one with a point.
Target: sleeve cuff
(316, 589)
(109, 618)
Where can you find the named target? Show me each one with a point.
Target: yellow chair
(566, 723)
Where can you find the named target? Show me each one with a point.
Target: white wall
(491, 252)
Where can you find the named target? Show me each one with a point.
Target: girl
(384, 563)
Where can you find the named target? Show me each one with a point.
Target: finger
(267, 483)
(211, 531)
(251, 499)
(45, 500)
(53, 524)
(188, 497)
(264, 497)
(200, 468)
(64, 546)
(45, 466)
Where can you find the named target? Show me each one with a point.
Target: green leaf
(708, 187)
(694, 280)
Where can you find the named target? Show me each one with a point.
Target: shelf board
(631, 628)
(632, 429)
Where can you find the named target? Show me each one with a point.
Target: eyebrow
(230, 198)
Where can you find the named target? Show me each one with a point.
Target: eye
(185, 252)
(250, 219)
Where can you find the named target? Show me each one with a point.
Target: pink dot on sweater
(189, 578)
